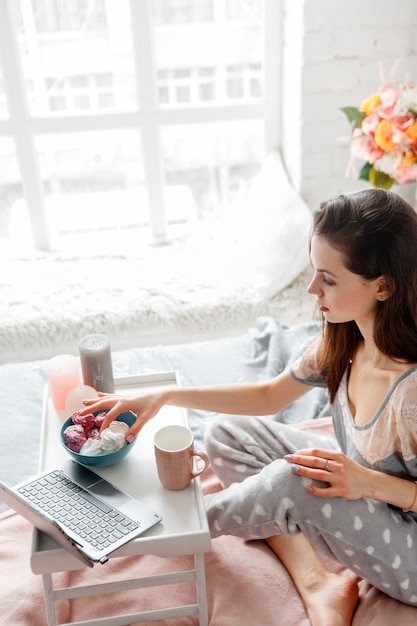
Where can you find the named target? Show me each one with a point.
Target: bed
(246, 584)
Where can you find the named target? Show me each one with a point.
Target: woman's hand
(145, 407)
(346, 478)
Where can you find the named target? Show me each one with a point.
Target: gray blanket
(261, 353)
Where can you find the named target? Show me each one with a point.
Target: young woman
(353, 498)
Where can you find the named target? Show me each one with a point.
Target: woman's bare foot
(330, 599)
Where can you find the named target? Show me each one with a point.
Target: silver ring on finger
(326, 466)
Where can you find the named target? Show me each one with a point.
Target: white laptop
(81, 511)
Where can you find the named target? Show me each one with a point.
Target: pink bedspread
(246, 585)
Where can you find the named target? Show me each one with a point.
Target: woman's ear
(385, 288)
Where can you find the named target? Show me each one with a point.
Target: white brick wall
(331, 53)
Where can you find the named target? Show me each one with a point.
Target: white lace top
(388, 442)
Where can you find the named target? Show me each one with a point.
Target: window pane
(65, 15)
(76, 55)
(182, 11)
(243, 9)
(216, 60)
(93, 184)
(216, 162)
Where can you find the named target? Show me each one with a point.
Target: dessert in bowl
(81, 438)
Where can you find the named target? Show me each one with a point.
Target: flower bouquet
(384, 135)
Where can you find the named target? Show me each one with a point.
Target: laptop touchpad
(108, 493)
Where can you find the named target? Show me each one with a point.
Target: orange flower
(411, 132)
(409, 158)
(370, 105)
(383, 136)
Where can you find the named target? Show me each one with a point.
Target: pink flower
(365, 148)
(389, 98)
(370, 123)
(402, 122)
(406, 174)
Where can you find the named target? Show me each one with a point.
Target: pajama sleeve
(305, 368)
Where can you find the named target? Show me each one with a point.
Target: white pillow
(271, 230)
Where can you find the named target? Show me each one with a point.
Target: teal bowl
(101, 460)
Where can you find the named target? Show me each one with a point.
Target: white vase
(408, 192)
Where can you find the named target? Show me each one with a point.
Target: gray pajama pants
(262, 498)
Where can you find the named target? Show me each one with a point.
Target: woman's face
(341, 295)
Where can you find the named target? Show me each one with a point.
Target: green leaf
(364, 173)
(379, 179)
(354, 116)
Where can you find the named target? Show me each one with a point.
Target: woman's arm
(264, 398)
(393, 490)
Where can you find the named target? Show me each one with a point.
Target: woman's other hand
(345, 478)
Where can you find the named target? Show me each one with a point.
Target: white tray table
(176, 535)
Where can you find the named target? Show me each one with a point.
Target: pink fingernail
(130, 438)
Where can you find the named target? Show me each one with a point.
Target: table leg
(201, 588)
(48, 592)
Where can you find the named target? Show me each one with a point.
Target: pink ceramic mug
(175, 455)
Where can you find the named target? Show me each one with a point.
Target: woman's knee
(223, 433)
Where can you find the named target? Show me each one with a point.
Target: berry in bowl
(81, 438)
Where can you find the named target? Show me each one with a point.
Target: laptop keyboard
(73, 507)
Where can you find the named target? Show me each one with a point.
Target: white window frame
(23, 127)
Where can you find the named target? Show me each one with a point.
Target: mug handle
(203, 457)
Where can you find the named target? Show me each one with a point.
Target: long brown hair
(376, 232)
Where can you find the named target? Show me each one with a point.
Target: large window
(142, 117)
